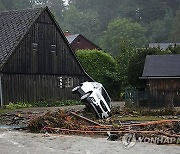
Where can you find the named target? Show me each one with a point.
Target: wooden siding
(28, 88)
(82, 43)
(164, 92)
(45, 33)
(32, 72)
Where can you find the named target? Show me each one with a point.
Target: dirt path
(45, 109)
(15, 142)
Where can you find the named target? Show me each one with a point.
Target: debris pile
(59, 119)
(18, 118)
(71, 123)
(75, 121)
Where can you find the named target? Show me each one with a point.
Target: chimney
(67, 33)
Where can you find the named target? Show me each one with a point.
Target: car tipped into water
(94, 95)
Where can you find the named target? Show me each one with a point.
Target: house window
(78, 41)
(66, 82)
(34, 46)
(60, 82)
(53, 48)
(69, 82)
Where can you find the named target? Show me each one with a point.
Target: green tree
(6, 5)
(121, 34)
(1, 7)
(106, 9)
(123, 60)
(142, 10)
(85, 23)
(175, 33)
(103, 68)
(136, 65)
(152, 14)
(159, 30)
(56, 6)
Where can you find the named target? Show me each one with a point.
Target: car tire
(85, 96)
(74, 90)
(94, 110)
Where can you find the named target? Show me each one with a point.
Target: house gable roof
(162, 66)
(72, 37)
(13, 27)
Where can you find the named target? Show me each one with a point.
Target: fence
(154, 98)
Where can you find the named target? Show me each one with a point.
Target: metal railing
(153, 98)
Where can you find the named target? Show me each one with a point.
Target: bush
(55, 103)
(18, 105)
(103, 68)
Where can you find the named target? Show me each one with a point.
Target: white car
(95, 95)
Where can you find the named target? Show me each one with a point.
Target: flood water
(22, 142)
(11, 127)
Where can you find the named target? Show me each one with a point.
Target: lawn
(141, 118)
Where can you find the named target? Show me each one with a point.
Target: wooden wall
(164, 92)
(26, 59)
(82, 43)
(28, 88)
(33, 70)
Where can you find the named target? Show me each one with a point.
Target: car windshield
(105, 95)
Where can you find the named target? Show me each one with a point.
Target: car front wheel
(74, 90)
(85, 96)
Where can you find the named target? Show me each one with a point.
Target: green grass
(56, 103)
(19, 105)
(141, 118)
(1, 111)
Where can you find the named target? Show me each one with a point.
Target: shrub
(17, 105)
(103, 68)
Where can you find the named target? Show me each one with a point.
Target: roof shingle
(162, 66)
(71, 38)
(13, 26)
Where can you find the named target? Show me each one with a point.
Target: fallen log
(105, 131)
(153, 123)
(86, 119)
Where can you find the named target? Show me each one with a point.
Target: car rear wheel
(74, 90)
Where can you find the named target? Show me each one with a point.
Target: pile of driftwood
(61, 122)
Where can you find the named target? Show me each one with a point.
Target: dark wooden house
(162, 73)
(36, 61)
(78, 41)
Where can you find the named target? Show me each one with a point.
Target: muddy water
(10, 127)
(21, 142)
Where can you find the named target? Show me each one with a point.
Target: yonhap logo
(159, 140)
(129, 140)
